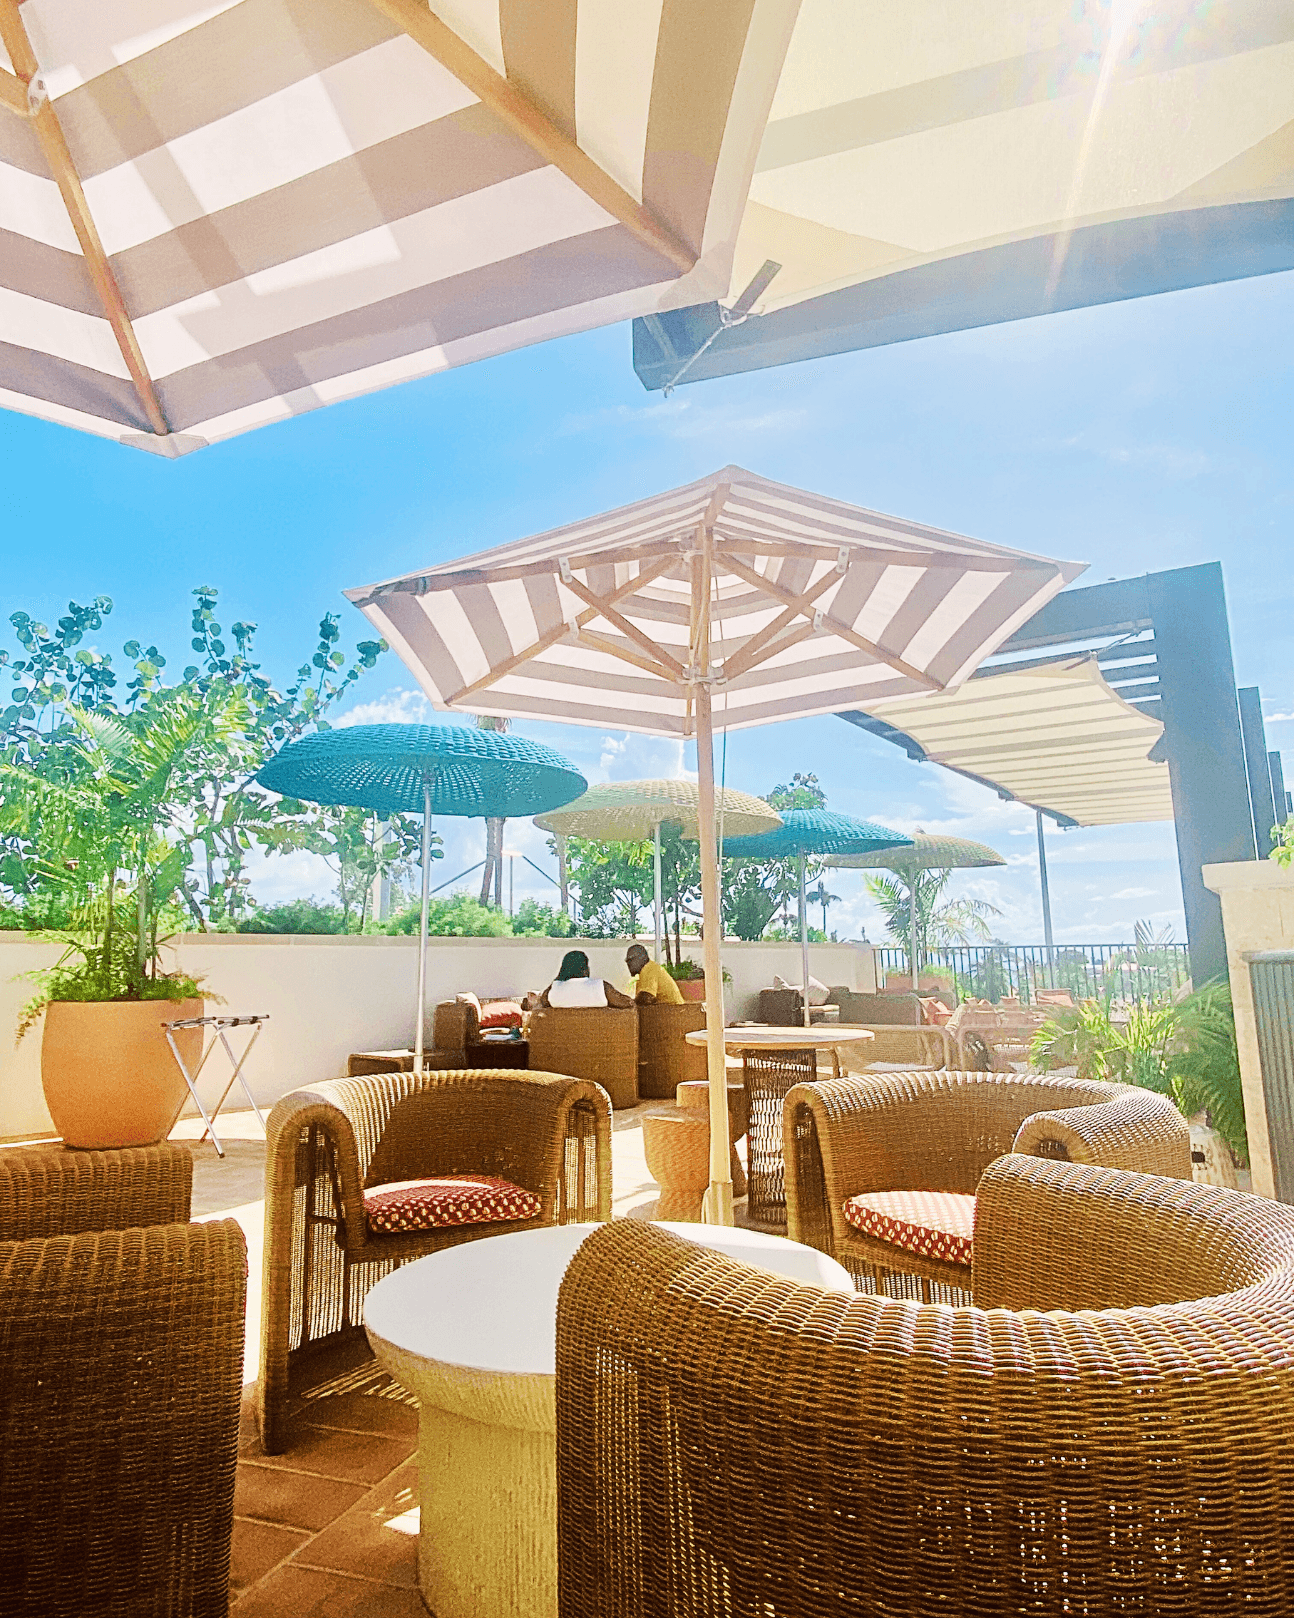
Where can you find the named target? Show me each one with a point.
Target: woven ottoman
(676, 1144)
(696, 1093)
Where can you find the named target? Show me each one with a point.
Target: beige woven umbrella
(733, 600)
(633, 811)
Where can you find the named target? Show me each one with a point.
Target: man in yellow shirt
(654, 982)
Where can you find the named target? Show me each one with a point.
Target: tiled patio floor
(329, 1529)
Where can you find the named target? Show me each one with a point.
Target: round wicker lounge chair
(1105, 1431)
(881, 1172)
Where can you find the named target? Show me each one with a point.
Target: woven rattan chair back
(589, 1042)
(665, 1059)
(121, 1358)
(767, 1448)
(940, 1131)
(544, 1131)
(769, 1078)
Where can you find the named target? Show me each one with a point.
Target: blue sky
(1136, 436)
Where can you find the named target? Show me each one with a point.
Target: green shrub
(295, 916)
(459, 916)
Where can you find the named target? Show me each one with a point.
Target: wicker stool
(676, 1144)
(768, 1076)
(696, 1093)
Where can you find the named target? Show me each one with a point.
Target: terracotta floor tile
(353, 1457)
(292, 1499)
(304, 1592)
(258, 1547)
(377, 1537)
(363, 1413)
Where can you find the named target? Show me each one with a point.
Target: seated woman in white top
(574, 987)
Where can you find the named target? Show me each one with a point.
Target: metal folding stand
(220, 1027)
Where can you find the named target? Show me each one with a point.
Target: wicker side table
(696, 1093)
(676, 1144)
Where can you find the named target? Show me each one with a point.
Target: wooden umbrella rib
(600, 643)
(13, 95)
(525, 120)
(629, 630)
(49, 131)
(749, 655)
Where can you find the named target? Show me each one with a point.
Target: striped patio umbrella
(732, 599)
(924, 853)
(633, 811)
(815, 831)
(427, 770)
(217, 215)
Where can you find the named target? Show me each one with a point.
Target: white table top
(491, 1305)
(764, 1038)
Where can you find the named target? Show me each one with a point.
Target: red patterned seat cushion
(933, 1224)
(456, 1199)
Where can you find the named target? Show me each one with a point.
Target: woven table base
(768, 1076)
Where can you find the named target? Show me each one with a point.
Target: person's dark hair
(575, 964)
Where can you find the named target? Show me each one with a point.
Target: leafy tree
(492, 875)
(459, 916)
(535, 920)
(361, 846)
(213, 806)
(820, 896)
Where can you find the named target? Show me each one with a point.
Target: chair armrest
(52, 1191)
(1077, 1236)
(1136, 1130)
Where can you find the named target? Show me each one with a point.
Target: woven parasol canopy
(426, 769)
(815, 831)
(926, 853)
(633, 811)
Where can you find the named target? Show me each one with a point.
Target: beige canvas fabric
(815, 605)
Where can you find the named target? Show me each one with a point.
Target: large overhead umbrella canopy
(1057, 738)
(428, 770)
(931, 168)
(814, 831)
(633, 811)
(220, 215)
(732, 594)
(923, 853)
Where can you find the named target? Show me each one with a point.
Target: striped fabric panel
(1056, 738)
(900, 138)
(512, 631)
(299, 203)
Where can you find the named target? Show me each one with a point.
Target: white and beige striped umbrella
(732, 600)
(811, 605)
(218, 213)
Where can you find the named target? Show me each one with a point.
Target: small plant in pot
(108, 838)
(691, 978)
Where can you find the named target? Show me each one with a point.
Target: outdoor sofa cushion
(500, 1014)
(935, 1224)
(455, 1199)
(934, 1012)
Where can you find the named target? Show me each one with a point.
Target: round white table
(472, 1332)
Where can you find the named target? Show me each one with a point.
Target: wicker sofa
(765, 1447)
(891, 1140)
(599, 1043)
(121, 1358)
(545, 1133)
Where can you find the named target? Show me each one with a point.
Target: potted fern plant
(107, 822)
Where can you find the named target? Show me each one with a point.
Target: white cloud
(685, 419)
(400, 706)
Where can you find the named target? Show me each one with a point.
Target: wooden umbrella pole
(421, 1015)
(912, 925)
(656, 874)
(717, 1208)
(804, 948)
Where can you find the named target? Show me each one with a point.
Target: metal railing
(990, 971)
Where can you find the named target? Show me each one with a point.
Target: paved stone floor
(329, 1528)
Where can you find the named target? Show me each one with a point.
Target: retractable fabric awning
(944, 164)
(1057, 738)
(217, 215)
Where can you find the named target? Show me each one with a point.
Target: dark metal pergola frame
(1164, 644)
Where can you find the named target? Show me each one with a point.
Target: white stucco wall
(327, 996)
(1257, 914)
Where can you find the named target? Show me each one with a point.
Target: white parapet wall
(1257, 914)
(327, 996)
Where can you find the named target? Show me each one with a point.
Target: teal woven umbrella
(428, 770)
(924, 852)
(814, 831)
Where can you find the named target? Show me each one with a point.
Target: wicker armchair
(121, 1358)
(546, 1133)
(731, 1442)
(938, 1132)
(665, 1059)
(594, 1042)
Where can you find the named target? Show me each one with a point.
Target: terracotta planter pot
(109, 1076)
(692, 988)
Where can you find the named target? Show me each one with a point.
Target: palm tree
(820, 896)
(955, 921)
(493, 874)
